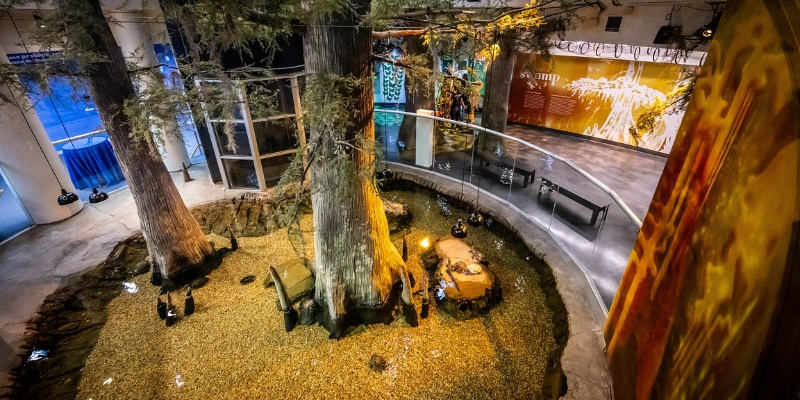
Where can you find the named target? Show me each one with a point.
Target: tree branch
(398, 33)
(393, 62)
(422, 13)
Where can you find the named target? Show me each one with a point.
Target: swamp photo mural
(707, 307)
(600, 98)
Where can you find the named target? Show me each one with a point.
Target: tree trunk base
(357, 315)
(189, 274)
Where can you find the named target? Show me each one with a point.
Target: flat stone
(69, 326)
(398, 216)
(297, 280)
(141, 267)
(465, 285)
(199, 282)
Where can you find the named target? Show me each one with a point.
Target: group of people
(459, 106)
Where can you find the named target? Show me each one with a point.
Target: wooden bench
(554, 187)
(506, 162)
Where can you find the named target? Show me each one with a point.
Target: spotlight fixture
(97, 197)
(67, 197)
(459, 230)
(425, 243)
(708, 30)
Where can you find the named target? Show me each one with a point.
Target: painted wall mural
(389, 81)
(708, 305)
(594, 97)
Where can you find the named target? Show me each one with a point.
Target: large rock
(297, 279)
(252, 214)
(397, 215)
(466, 286)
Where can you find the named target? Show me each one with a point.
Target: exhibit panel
(707, 307)
(600, 98)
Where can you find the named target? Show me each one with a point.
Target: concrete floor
(33, 264)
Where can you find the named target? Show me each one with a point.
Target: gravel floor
(235, 346)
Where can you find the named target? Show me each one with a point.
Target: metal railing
(78, 137)
(591, 222)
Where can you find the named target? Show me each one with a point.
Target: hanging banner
(595, 97)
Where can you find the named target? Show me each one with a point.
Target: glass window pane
(241, 173)
(276, 135)
(242, 144)
(269, 98)
(274, 167)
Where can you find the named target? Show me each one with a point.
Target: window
(613, 24)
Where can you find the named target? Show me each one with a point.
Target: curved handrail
(577, 169)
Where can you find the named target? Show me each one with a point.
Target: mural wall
(708, 305)
(595, 97)
(389, 81)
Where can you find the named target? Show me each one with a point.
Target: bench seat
(548, 185)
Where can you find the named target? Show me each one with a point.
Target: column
(136, 43)
(425, 139)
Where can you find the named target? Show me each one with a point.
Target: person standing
(455, 106)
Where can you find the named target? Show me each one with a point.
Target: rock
(199, 282)
(377, 363)
(297, 279)
(466, 286)
(252, 214)
(69, 327)
(141, 267)
(247, 279)
(308, 312)
(397, 215)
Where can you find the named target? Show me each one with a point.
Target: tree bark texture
(498, 85)
(357, 267)
(174, 238)
(418, 96)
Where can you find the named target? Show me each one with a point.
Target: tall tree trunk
(498, 85)
(174, 239)
(357, 267)
(419, 95)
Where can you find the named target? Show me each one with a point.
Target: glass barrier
(589, 219)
